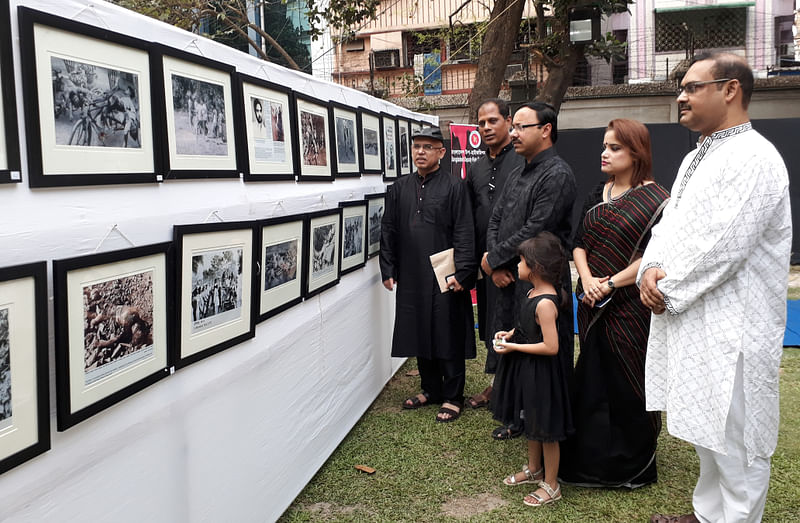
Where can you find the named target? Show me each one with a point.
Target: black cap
(434, 133)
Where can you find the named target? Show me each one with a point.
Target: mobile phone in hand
(599, 304)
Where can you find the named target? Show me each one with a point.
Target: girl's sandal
(535, 500)
(530, 477)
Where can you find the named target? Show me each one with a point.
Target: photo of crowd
(5, 369)
(199, 114)
(280, 264)
(216, 287)
(117, 324)
(371, 142)
(375, 215)
(94, 106)
(353, 236)
(312, 129)
(324, 256)
(345, 144)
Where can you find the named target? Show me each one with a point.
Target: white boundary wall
(236, 436)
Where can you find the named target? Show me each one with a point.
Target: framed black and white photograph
(280, 258)
(24, 395)
(375, 205)
(88, 104)
(9, 136)
(314, 139)
(198, 115)
(344, 129)
(369, 132)
(113, 323)
(214, 288)
(391, 165)
(267, 152)
(354, 235)
(404, 147)
(322, 250)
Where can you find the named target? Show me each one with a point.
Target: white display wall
(236, 436)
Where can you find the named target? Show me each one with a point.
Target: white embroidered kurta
(724, 243)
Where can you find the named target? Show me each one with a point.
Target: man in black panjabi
(538, 198)
(426, 213)
(485, 181)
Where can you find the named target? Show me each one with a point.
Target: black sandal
(506, 432)
(414, 402)
(454, 414)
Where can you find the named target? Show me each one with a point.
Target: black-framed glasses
(691, 87)
(424, 147)
(518, 127)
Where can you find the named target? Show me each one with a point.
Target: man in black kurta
(485, 181)
(428, 212)
(538, 198)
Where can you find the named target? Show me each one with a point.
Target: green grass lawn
(429, 471)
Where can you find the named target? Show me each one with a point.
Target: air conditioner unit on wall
(387, 59)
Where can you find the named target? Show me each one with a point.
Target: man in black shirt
(426, 213)
(485, 181)
(538, 198)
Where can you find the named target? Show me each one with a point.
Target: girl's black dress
(530, 390)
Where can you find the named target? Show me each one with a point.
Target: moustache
(684, 106)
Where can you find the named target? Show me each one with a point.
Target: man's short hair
(546, 113)
(729, 65)
(502, 106)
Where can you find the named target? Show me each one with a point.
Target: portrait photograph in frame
(391, 165)
(280, 258)
(369, 134)
(24, 390)
(200, 120)
(404, 147)
(353, 247)
(313, 144)
(344, 130)
(375, 205)
(266, 150)
(9, 135)
(214, 288)
(322, 250)
(88, 104)
(113, 322)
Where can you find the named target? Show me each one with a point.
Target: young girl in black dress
(530, 385)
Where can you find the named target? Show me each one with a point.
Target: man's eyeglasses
(518, 127)
(691, 87)
(424, 147)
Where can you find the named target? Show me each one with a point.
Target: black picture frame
(345, 138)
(211, 314)
(405, 158)
(321, 267)
(353, 228)
(277, 238)
(193, 146)
(260, 147)
(370, 153)
(376, 204)
(391, 164)
(313, 118)
(23, 351)
(9, 133)
(66, 76)
(126, 297)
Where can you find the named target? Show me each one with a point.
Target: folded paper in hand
(444, 266)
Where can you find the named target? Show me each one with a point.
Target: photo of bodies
(266, 118)
(312, 129)
(216, 288)
(5, 371)
(345, 144)
(199, 114)
(324, 238)
(388, 136)
(353, 236)
(94, 106)
(280, 264)
(375, 212)
(117, 324)
(403, 148)
(371, 142)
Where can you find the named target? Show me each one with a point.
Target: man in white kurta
(718, 264)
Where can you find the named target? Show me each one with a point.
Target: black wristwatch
(610, 283)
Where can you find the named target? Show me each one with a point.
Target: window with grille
(705, 28)
(421, 42)
(463, 44)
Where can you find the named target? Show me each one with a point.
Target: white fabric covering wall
(234, 437)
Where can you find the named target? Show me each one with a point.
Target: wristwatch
(610, 283)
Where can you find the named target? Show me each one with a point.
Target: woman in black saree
(614, 443)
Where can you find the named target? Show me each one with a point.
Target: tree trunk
(559, 75)
(496, 49)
